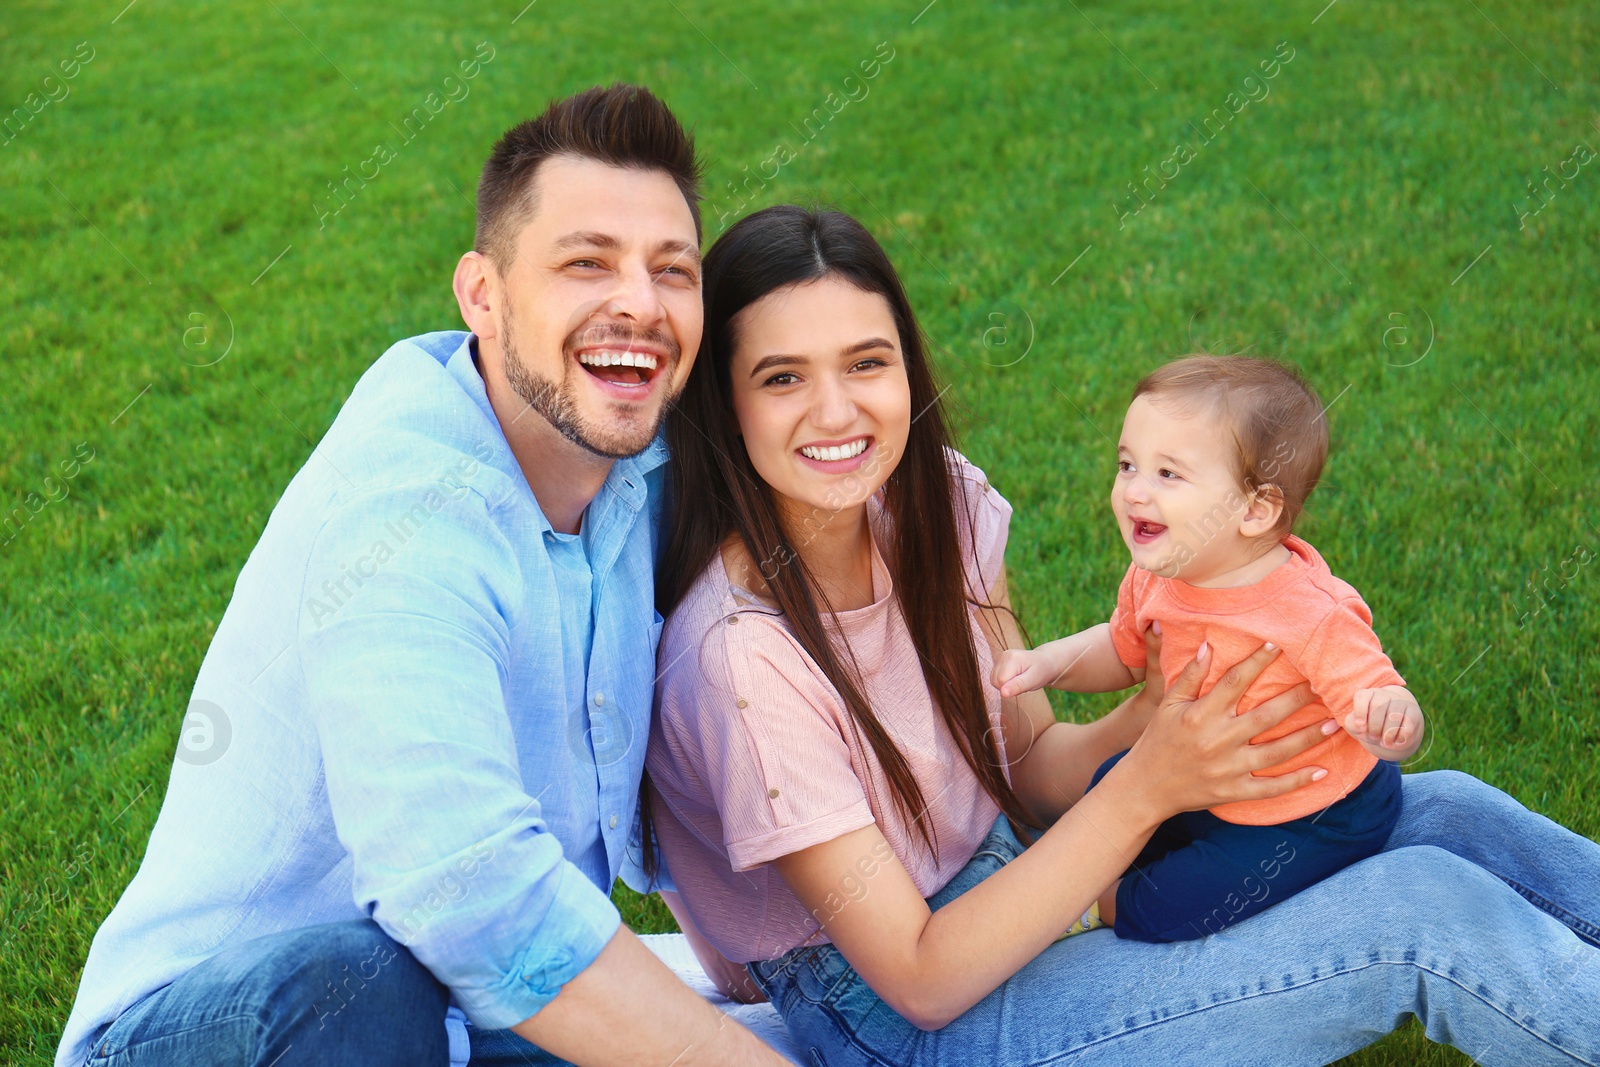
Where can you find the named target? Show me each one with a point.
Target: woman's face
(821, 397)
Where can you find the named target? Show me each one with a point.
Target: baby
(1217, 457)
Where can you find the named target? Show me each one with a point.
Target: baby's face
(1176, 497)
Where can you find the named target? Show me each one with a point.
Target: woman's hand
(1196, 752)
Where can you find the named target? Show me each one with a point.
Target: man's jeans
(336, 995)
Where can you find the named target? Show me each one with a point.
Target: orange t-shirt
(1325, 631)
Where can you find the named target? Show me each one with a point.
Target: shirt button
(733, 620)
(599, 700)
(772, 793)
(743, 703)
(613, 822)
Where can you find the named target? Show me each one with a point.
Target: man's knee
(358, 969)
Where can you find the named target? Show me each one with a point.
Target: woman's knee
(1443, 805)
(1421, 890)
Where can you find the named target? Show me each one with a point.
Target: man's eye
(586, 263)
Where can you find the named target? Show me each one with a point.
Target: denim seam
(1577, 923)
(1066, 1056)
(111, 1056)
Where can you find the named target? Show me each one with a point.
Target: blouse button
(772, 794)
(733, 620)
(743, 703)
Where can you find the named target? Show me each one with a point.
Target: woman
(841, 799)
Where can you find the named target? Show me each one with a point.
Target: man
(411, 762)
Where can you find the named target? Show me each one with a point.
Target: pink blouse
(753, 756)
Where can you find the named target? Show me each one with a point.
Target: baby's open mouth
(1145, 531)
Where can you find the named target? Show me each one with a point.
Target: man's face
(599, 313)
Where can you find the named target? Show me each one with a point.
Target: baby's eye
(1165, 473)
(1124, 466)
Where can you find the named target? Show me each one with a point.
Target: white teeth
(643, 360)
(834, 453)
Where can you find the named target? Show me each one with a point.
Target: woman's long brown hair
(716, 493)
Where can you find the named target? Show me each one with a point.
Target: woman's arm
(932, 966)
(731, 979)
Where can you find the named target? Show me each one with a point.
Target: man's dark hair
(623, 125)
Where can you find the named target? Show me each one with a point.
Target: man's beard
(556, 401)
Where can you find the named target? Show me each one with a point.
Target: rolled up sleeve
(405, 647)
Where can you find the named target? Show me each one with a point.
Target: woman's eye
(782, 379)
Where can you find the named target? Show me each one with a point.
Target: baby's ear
(1263, 511)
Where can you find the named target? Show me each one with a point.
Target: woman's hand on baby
(1196, 752)
(1387, 721)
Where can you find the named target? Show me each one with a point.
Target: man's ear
(1262, 513)
(475, 285)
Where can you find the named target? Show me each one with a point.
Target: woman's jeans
(1480, 918)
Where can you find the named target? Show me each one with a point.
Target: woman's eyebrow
(867, 345)
(768, 362)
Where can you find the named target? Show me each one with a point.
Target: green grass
(193, 149)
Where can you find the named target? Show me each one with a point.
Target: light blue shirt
(397, 718)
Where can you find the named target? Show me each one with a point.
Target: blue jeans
(1200, 874)
(1480, 918)
(336, 995)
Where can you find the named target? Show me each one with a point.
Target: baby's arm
(1345, 657)
(1086, 662)
(1387, 721)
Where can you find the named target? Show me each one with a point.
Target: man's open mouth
(625, 367)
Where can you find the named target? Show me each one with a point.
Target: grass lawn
(186, 304)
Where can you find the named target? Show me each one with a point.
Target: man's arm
(627, 1007)
(404, 672)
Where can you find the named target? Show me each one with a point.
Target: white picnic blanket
(762, 1019)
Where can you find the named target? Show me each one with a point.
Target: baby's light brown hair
(1278, 422)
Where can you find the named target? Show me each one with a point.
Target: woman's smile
(837, 457)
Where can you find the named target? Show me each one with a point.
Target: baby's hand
(1387, 721)
(1020, 670)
